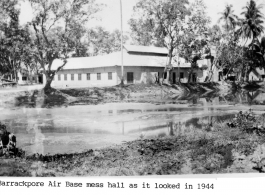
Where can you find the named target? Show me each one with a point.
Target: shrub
(248, 122)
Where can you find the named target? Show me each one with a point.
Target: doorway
(130, 78)
(174, 78)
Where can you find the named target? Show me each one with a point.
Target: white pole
(122, 76)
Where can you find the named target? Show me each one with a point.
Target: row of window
(130, 76)
(88, 76)
(26, 78)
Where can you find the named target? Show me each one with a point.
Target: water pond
(80, 127)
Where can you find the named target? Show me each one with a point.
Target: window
(130, 77)
(65, 77)
(79, 77)
(72, 77)
(110, 75)
(98, 76)
(88, 76)
(59, 77)
(24, 78)
(194, 77)
(181, 75)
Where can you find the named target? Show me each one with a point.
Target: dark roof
(146, 49)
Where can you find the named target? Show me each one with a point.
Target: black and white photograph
(132, 87)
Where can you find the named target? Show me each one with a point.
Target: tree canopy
(164, 22)
(252, 23)
(102, 41)
(57, 26)
(229, 18)
(14, 39)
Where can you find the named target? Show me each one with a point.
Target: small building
(25, 77)
(141, 64)
(257, 74)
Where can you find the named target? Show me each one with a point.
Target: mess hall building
(142, 64)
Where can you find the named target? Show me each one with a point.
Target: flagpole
(122, 76)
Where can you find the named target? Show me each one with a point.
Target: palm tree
(229, 18)
(262, 43)
(252, 28)
(252, 24)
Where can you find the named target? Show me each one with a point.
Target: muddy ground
(221, 148)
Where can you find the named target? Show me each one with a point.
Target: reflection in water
(36, 136)
(122, 120)
(178, 128)
(37, 141)
(235, 97)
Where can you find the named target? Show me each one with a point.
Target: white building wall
(141, 74)
(257, 76)
(185, 71)
(84, 82)
(148, 74)
(253, 77)
(178, 71)
(215, 77)
(200, 76)
(28, 79)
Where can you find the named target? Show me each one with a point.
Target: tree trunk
(210, 73)
(191, 71)
(239, 77)
(171, 129)
(190, 75)
(168, 67)
(247, 74)
(47, 86)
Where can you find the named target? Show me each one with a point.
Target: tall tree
(194, 44)
(229, 18)
(141, 33)
(115, 40)
(252, 23)
(251, 29)
(13, 41)
(262, 43)
(165, 19)
(5, 7)
(225, 41)
(55, 25)
(104, 42)
(215, 34)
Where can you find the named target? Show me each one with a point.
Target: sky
(109, 17)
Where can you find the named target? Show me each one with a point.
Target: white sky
(110, 16)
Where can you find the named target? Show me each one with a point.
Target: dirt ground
(213, 149)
